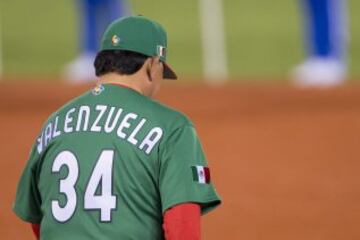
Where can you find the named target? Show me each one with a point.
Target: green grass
(263, 37)
(38, 36)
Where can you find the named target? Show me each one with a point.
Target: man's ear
(156, 60)
(149, 63)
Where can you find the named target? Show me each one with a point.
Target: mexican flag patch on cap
(201, 174)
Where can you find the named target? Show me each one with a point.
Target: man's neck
(129, 81)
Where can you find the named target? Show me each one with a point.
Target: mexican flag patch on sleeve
(201, 174)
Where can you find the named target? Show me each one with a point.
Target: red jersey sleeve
(36, 230)
(182, 222)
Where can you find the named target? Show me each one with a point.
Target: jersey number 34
(101, 176)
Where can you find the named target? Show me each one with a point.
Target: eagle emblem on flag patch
(201, 174)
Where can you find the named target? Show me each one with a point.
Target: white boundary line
(213, 41)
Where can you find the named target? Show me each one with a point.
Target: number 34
(102, 174)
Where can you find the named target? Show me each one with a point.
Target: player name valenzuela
(107, 120)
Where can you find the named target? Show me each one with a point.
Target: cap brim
(169, 73)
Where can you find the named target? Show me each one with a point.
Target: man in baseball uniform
(113, 163)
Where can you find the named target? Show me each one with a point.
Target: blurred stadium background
(263, 38)
(284, 160)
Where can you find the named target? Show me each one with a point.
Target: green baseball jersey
(108, 164)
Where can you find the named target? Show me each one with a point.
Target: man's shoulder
(169, 114)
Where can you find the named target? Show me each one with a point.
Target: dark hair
(122, 62)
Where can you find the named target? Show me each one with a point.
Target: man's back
(98, 163)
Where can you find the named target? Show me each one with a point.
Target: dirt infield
(285, 161)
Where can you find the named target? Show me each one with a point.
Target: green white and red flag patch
(201, 174)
